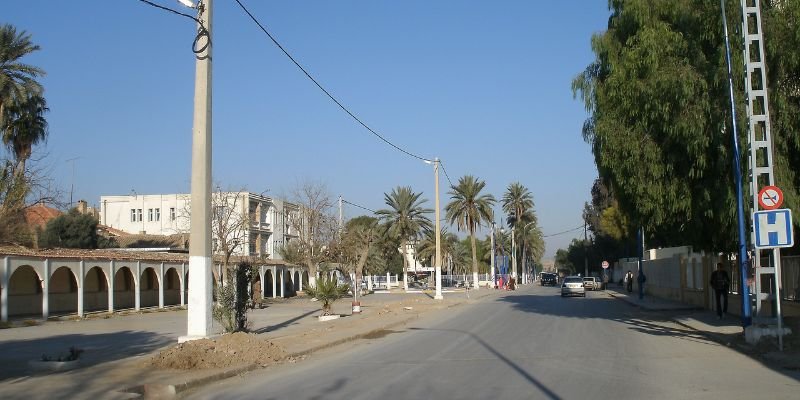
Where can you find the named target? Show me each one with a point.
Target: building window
(149, 215)
(158, 214)
(139, 215)
(172, 213)
(133, 215)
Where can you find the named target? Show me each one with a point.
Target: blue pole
(747, 319)
(640, 277)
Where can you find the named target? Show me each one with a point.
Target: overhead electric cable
(201, 32)
(567, 231)
(361, 207)
(308, 75)
(445, 173)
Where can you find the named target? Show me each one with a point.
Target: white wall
(270, 222)
(115, 211)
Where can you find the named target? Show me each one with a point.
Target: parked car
(549, 279)
(573, 286)
(591, 283)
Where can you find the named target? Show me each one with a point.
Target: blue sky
(483, 85)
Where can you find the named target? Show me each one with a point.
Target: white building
(411, 260)
(258, 224)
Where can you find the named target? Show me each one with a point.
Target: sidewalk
(116, 348)
(727, 331)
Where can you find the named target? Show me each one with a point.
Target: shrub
(74, 354)
(232, 299)
(328, 291)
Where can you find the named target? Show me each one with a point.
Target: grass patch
(6, 325)
(30, 322)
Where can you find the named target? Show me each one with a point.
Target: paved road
(529, 344)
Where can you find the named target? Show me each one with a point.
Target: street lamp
(524, 259)
(492, 270)
(438, 259)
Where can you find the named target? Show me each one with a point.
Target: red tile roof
(40, 214)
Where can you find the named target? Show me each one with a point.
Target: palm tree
(24, 127)
(518, 205)
(405, 220)
(17, 80)
(470, 209)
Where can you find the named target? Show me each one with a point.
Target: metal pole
(640, 277)
(585, 252)
(492, 270)
(341, 215)
(438, 261)
(513, 274)
(747, 319)
(200, 261)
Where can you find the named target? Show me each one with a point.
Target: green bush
(327, 291)
(232, 299)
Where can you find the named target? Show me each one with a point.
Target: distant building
(261, 223)
(413, 265)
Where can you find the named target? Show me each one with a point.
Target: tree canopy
(659, 118)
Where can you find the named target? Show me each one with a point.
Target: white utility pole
(200, 258)
(513, 274)
(438, 261)
(491, 270)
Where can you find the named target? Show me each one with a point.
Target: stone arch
(149, 284)
(288, 286)
(124, 289)
(296, 281)
(24, 292)
(62, 292)
(268, 279)
(256, 288)
(95, 290)
(186, 287)
(305, 279)
(172, 287)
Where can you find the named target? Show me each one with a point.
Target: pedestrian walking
(720, 282)
(629, 281)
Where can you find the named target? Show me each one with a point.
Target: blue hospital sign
(773, 229)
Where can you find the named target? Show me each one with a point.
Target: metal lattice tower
(760, 159)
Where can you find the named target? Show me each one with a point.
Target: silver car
(573, 286)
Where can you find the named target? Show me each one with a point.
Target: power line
(567, 231)
(361, 207)
(338, 103)
(201, 32)
(445, 173)
(171, 10)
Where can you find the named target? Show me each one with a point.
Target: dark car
(549, 279)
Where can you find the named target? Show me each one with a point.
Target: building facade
(250, 223)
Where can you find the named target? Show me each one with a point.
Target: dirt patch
(226, 351)
(378, 334)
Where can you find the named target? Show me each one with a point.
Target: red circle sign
(605, 264)
(770, 197)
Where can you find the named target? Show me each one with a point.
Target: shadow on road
(98, 349)
(659, 323)
(284, 323)
(530, 378)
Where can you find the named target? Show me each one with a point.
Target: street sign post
(773, 229)
(770, 197)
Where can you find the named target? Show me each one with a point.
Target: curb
(644, 307)
(350, 338)
(167, 390)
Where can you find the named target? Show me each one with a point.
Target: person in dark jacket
(720, 282)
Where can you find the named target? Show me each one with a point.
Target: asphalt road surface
(529, 344)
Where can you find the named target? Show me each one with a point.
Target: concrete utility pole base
(753, 334)
(438, 297)
(189, 338)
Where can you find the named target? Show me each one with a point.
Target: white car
(573, 286)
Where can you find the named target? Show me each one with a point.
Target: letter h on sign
(773, 229)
